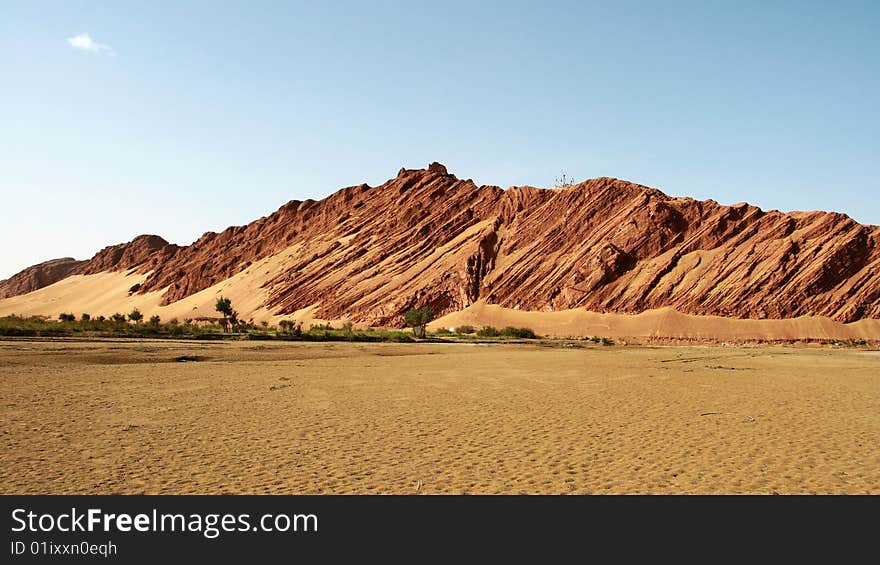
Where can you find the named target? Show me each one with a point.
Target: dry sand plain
(248, 417)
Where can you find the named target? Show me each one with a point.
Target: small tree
(418, 318)
(224, 306)
(135, 316)
(66, 317)
(290, 327)
(84, 317)
(117, 318)
(155, 320)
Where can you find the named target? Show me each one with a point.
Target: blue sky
(177, 117)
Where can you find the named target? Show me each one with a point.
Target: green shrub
(465, 329)
(488, 331)
(523, 333)
(290, 327)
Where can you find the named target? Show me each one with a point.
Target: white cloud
(85, 43)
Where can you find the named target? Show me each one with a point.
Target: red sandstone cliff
(426, 237)
(144, 251)
(38, 276)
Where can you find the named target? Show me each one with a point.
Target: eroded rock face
(38, 276)
(429, 238)
(144, 252)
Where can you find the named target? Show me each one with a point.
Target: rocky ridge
(606, 245)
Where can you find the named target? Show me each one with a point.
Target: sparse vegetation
(509, 331)
(852, 342)
(118, 326)
(135, 316)
(603, 340)
(522, 333)
(465, 330)
(115, 326)
(289, 326)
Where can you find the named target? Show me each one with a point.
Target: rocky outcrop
(145, 252)
(38, 276)
(426, 237)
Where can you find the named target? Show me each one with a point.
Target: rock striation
(426, 237)
(37, 276)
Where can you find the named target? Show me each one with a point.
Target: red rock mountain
(605, 245)
(37, 276)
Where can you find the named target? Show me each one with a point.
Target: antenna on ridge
(564, 182)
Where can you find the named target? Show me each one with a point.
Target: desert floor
(246, 417)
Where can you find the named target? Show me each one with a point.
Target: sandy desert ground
(245, 417)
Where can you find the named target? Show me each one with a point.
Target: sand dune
(663, 322)
(104, 293)
(107, 292)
